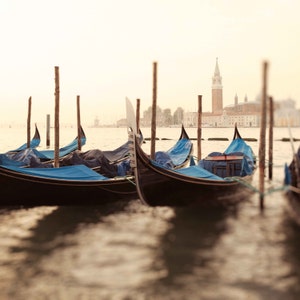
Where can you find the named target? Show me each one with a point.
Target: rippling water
(131, 251)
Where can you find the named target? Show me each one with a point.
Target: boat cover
(75, 173)
(238, 154)
(49, 154)
(35, 141)
(180, 151)
(197, 171)
(95, 158)
(239, 145)
(121, 152)
(6, 161)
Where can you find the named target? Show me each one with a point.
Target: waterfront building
(244, 114)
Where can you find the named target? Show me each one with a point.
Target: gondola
(194, 185)
(69, 185)
(292, 183)
(121, 153)
(31, 157)
(34, 143)
(78, 182)
(72, 146)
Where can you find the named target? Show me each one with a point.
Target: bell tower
(217, 91)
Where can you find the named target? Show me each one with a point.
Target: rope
(129, 179)
(269, 191)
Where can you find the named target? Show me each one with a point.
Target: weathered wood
(78, 123)
(138, 103)
(28, 122)
(199, 130)
(154, 102)
(262, 144)
(48, 130)
(56, 119)
(271, 125)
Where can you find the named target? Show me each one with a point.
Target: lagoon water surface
(131, 251)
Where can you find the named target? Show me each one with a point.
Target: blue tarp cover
(239, 145)
(242, 166)
(49, 154)
(76, 173)
(33, 144)
(197, 171)
(5, 160)
(179, 152)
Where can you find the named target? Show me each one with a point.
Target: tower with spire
(217, 91)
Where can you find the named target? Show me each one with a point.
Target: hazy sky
(105, 52)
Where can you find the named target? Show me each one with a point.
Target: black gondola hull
(22, 189)
(162, 187)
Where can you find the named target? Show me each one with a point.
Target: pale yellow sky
(105, 51)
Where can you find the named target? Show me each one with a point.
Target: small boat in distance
(194, 185)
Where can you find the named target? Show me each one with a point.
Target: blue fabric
(239, 145)
(163, 159)
(238, 167)
(33, 144)
(287, 175)
(6, 161)
(197, 171)
(49, 154)
(74, 173)
(179, 152)
(26, 154)
(124, 167)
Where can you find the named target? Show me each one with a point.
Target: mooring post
(199, 130)
(262, 144)
(56, 119)
(153, 121)
(48, 130)
(28, 122)
(271, 125)
(138, 101)
(78, 123)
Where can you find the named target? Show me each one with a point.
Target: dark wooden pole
(48, 131)
(153, 121)
(271, 125)
(56, 120)
(78, 124)
(28, 122)
(199, 131)
(262, 144)
(138, 104)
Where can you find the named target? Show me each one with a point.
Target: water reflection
(185, 254)
(292, 256)
(54, 232)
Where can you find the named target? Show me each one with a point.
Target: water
(131, 251)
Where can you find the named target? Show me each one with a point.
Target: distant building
(243, 113)
(286, 114)
(217, 91)
(246, 114)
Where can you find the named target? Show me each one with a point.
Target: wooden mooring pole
(56, 119)
(153, 120)
(138, 104)
(271, 125)
(199, 130)
(262, 144)
(48, 130)
(28, 122)
(78, 124)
